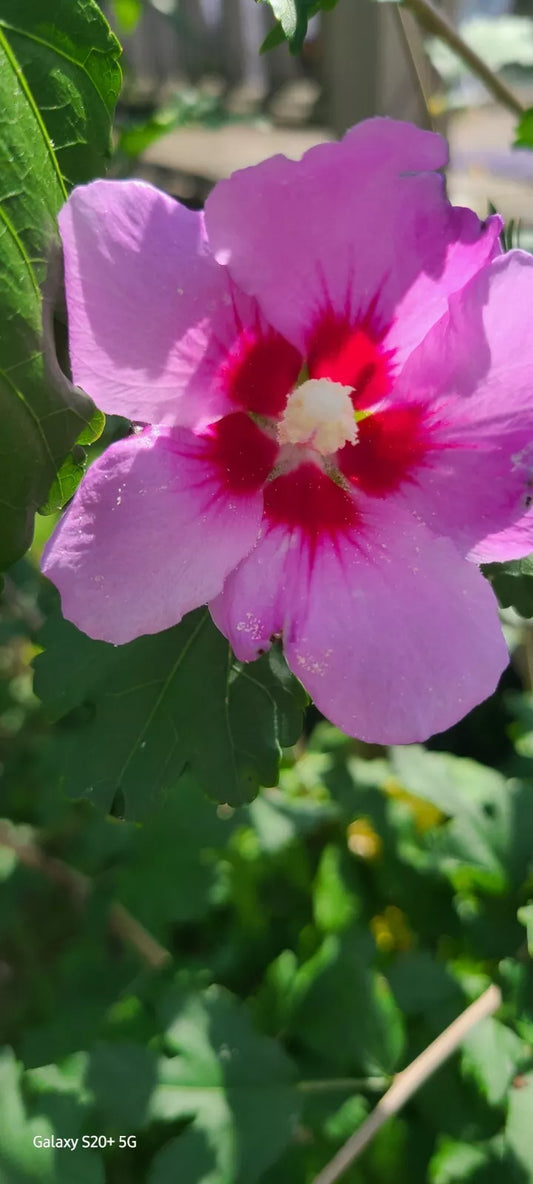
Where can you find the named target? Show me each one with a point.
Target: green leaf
(485, 842)
(420, 983)
(459, 1163)
(56, 94)
(191, 1157)
(171, 874)
(513, 583)
(525, 916)
(69, 58)
(293, 17)
(279, 820)
(492, 1055)
(93, 430)
(344, 1010)
(519, 1126)
(427, 775)
(20, 1161)
(73, 468)
(334, 904)
(135, 715)
(238, 1086)
(121, 1077)
(524, 131)
(286, 12)
(275, 37)
(49, 1116)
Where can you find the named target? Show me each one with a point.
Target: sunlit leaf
(59, 81)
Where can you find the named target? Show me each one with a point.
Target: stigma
(319, 414)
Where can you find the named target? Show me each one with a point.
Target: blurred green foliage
(320, 937)
(524, 131)
(127, 14)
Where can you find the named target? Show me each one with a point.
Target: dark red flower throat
(261, 372)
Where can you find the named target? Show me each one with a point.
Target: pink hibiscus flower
(336, 367)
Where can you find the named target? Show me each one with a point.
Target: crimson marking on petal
(308, 500)
(391, 444)
(260, 371)
(351, 354)
(242, 453)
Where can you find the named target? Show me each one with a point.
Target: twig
(408, 1081)
(436, 23)
(134, 934)
(121, 922)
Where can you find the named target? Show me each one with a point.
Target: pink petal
(513, 543)
(393, 634)
(154, 529)
(151, 314)
(475, 370)
(360, 227)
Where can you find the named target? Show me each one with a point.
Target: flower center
(319, 413)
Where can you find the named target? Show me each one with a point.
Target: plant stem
(121, 922)
(408, 1081)
(437, 24)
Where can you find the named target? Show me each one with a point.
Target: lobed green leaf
(134, 716)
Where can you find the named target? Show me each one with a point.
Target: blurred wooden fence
(368, 58)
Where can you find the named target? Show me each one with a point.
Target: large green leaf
(69, 58)
(46, 124)
(135, 715)
(238, 1086)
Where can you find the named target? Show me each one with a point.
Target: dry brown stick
(408, 1081)
(121, 922)
(134, 934)
(439, 26)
